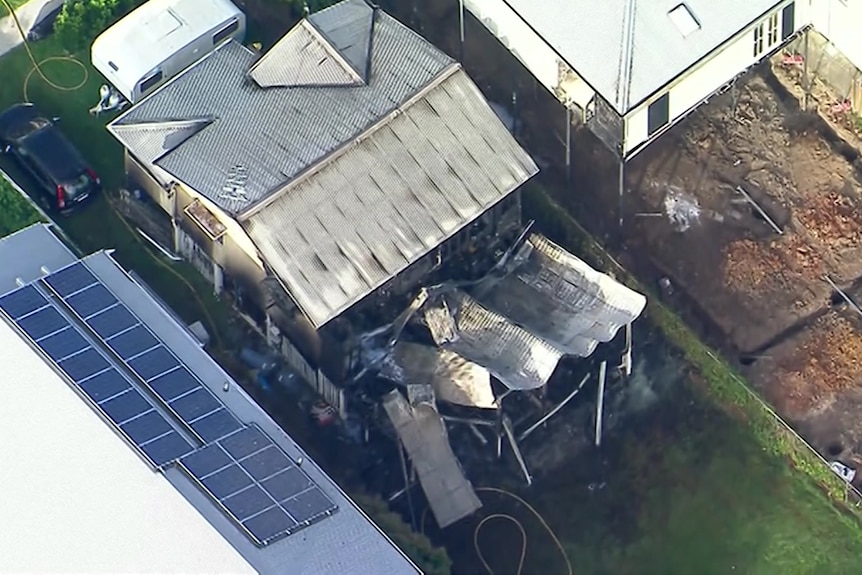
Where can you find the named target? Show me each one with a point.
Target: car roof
(54, 154)
(15, 116)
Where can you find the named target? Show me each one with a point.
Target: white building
(634, 68)
(156, 463)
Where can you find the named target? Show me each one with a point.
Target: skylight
(684, 20)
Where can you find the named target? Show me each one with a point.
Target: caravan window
(225, 32)
(150, 81)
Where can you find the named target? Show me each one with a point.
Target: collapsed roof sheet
(453, 378)
(515, 356)
(559, 297)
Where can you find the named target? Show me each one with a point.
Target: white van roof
(152, 33)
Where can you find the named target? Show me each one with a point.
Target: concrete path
(10, 38)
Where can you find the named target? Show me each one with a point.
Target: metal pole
(407, 484)
(461, 25)
(760, 210)
(513, 443)
(554, 411)
(806, 83)
(622, 183)
(568, 147)
(601, 402)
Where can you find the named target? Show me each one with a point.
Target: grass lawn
(15, 212)
(97, 226)
(15, 5)
(708, 482)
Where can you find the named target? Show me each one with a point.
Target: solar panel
(215, 425)
(71, 279)
(22, 301)
(64, 343)
(154, 363)
(112, 321)
(42, 323)
(91, 300)
(258, 485)
(133, 342)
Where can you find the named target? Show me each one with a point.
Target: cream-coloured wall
(841, 22)
(533, 52)
(701, 82)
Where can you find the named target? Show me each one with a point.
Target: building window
(788, 23)
(225, 32)
(758, 40)
(684, 20)
(772, 26)
(149, 82)
(658, 115)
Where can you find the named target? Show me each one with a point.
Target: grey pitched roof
(348, 29)
(628, 51)
(336, 235)
(272, 135)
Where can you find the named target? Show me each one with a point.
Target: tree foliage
(81, 21)
(432, 560)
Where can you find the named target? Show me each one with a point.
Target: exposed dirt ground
(766, 282)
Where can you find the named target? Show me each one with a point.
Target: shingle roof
(272, 135)
(627, 59)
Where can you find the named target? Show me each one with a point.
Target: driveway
(10, 38)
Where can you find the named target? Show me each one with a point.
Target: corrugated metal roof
(302, 58)
(422, 432)
(344, 230)
(27, 251)
(595, 40)
(559, 297)
(518, 358)
(272, 135)
(349, 29)
(154, 140)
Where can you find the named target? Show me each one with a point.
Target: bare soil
(814, 379)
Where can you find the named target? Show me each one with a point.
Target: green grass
(15, 5)
(97, 226)
(714, 483)
(15, 211)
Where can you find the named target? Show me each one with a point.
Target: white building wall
(533, 52)
(841, 22)
(701, 82)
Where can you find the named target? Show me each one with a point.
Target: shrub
(15, 211)
(81, 21)
(432, 560)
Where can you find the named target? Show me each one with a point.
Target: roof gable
(152, 140)
(303, 58)
(349, 30)
(274, 135)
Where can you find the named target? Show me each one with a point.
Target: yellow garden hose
(37, 69)
(518, 525)
(37, 64)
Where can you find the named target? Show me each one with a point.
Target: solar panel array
(89, 368)
(250, 477)
(258, 485)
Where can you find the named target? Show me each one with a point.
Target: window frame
(150, 81)
(758, 40)
(658, 109)
(225, 32)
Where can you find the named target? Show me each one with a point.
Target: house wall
(699, 83)
(234, 252)
(533, 52)
(840, 21)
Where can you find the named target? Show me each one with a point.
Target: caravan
(160, 39)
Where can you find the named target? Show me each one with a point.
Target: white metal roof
(27, 251)
(76, 498)
(153, 32)
(628, 59)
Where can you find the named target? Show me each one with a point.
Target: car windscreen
(76, 186)
(23, 129)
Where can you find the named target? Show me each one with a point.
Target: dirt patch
(814, 379)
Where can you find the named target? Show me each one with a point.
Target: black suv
(42, 149)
